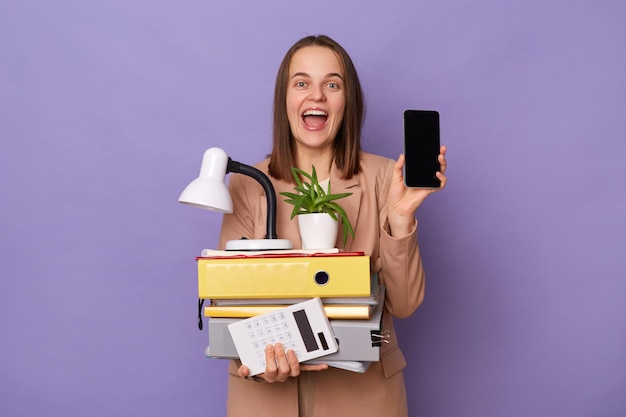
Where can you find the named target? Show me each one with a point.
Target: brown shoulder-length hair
(347, 144)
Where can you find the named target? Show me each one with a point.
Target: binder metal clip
(379, 338)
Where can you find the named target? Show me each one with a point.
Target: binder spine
(289, 277)
(353, 338)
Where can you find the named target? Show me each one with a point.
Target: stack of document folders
(326, 305)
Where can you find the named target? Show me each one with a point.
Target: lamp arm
(270, 193)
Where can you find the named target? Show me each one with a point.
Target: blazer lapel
(351, 204)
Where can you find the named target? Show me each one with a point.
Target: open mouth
(314, 118)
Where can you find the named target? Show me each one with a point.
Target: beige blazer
(380, 391)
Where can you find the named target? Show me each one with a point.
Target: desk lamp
(209, 192)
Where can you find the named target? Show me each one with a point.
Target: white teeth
(315, 113)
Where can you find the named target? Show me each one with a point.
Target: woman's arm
(402, 271)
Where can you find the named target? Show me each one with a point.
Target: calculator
(302, 327)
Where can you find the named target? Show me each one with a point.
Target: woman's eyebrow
(329, 75)
(334, 74)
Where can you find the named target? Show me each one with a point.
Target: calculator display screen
(305, 330)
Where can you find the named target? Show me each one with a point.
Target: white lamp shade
(208, 191)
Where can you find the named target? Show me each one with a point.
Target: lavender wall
(106, 108)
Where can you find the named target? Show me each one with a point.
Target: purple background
(106, 108)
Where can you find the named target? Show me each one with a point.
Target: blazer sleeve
(401, 269)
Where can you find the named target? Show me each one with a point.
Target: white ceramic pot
(318, 230)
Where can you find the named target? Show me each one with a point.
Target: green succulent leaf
(311, 197)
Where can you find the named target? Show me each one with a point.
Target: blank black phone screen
(421, 148)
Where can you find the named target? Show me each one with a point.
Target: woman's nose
(317, 94)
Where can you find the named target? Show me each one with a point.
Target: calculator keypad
(270, 330)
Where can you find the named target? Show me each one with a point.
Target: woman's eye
(300, 84)
(333, 85)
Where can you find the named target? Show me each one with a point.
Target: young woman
(318, 114)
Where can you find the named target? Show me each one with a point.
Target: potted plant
(320, 208)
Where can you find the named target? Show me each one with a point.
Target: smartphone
(421, 148)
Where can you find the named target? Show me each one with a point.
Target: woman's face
(316, 99)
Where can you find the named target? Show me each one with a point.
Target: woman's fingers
(280, 365)
(243, 371)
(283, 365)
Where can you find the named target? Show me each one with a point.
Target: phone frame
(422, 146)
